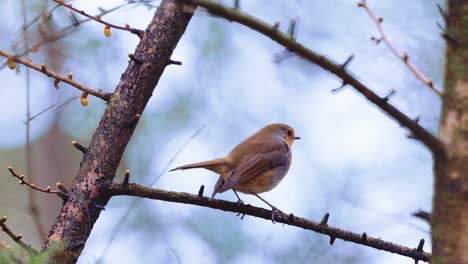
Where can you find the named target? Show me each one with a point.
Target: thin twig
(231, 14)
(135, 31)
(16, 238)
(403, 56)
(32, 186)
(334, 233)
(50, 107)
(42, 68)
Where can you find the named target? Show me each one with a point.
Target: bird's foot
(273, 211)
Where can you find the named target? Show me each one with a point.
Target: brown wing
(254, 165)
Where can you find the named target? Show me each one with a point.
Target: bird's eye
(290, 133)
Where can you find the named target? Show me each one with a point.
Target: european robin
(254, 166)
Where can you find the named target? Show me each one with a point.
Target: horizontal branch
(43, 69)
(271, 31)
(322, 228)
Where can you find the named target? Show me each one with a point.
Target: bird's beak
(296, 138)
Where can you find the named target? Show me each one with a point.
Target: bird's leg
(239, 200)
(273, 208)
(239, 203)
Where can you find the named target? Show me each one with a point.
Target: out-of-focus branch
(426, 216)
(403, 56)
(98, 19)
(271, 31)
(16, 238)
(33, 203)
(42, 68)
(22, 181)
(319, 227)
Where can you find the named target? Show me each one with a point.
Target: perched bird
(254, 166)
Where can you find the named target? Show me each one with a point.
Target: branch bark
(322, 228)
(271, 31)
(78, 215)
(450, 205)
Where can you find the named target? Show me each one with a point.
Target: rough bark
(79, 213)
(450, 208)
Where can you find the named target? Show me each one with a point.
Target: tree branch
(85, 203)
(42, 68)
(402, 56)
(98, 19)
(16, 238)
(322, 228)
(22, 181)
(271, 31)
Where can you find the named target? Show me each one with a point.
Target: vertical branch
(99, 164)
(33, 206)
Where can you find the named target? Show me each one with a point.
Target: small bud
(84, 99)
(3, 220)
(43, 67)
(56, 83)
(107, 31)
(380, 20)
(48, 189)
(70, 75)
(11, 63)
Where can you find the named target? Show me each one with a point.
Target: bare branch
(22, 181)
(98, 19)
(426, 216)
(319, 227)
(403, 56)
(232, 14)
(16, 238)
(42, 68)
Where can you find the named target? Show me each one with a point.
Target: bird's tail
(220, 166)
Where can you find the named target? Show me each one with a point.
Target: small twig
(426, 216)
(325, 219)
(201, 190)
(126, 178)
(43, 68)
(98, 19)
(347, 62)
(334, 233)
(390, 94)
(16, 238)
(79, 147)
(402, 56)
(173, 62)
(419, 249)
(22, 181)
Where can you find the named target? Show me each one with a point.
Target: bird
(256, 165)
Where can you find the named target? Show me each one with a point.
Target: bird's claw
(273, 211)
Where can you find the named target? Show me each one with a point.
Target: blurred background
(352, 161)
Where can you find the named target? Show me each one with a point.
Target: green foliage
(17, 254)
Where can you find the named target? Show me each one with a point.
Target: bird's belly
(262, 183)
